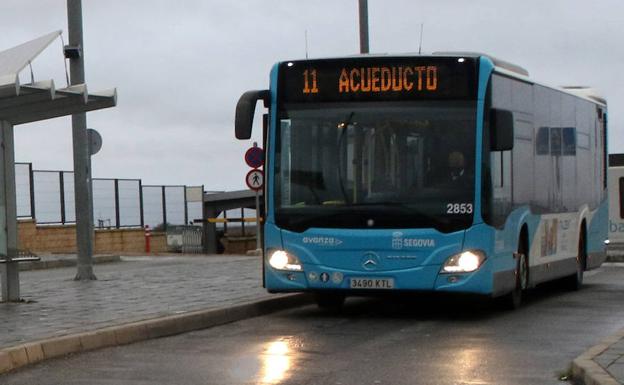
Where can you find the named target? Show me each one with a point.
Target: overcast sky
(180, 66)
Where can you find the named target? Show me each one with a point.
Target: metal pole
(210, 230)
(164, 208)
(141, 203)
(117, 217)
(9, 272)
(363, 6)
(258, 247)
(242, 221)
(62, 190)
(186, 221)
(82, 160)
(31, 182)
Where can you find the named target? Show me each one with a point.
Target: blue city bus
(450, 172)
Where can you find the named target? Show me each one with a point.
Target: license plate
(372, 283)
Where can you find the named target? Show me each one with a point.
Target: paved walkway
(612, 360)
(135, 289)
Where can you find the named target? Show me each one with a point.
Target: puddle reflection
(276, 361)
(467, 366)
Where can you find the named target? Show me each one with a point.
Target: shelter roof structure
(216, 203)
(25, 103)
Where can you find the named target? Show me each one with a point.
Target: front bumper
(422, 278)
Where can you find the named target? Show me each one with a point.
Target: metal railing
(48, 197)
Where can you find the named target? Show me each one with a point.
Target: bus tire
(329, 300)
(513, 300)
(575, 281)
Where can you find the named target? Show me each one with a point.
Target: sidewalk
(603, 364)
(136, 289)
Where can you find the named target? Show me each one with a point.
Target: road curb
(615, 258)
(66, 262)
(586, 371)
(29, 353)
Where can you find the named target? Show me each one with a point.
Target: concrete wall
(62, 239)
(238, 245)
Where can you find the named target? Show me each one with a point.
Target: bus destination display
(378, 79)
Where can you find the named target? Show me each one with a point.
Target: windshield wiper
(344, 125)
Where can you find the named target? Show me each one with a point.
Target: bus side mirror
(501, 130)
(245, 109)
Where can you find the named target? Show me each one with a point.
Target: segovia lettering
(415, 242)
(388, 79)
(399, 242)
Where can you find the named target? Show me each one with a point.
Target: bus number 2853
(459, 208)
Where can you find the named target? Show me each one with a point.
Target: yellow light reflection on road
(467, 366)
(276, 361)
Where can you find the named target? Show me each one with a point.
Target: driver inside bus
(457, 172)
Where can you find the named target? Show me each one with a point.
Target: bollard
(148, 235)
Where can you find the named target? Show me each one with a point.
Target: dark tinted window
(376, 165)
(555, 140)
(568, 135)
(543, 141)
(558, 149)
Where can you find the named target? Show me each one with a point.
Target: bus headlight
(281, 260)
(464, 262)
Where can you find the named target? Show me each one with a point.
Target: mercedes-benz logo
(370, 261)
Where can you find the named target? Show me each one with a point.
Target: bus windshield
(375, 165)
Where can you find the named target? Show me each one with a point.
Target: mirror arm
(245, 109)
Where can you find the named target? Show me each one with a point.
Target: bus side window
(500, 156)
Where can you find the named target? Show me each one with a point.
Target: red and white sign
(254, 157)
(255, 179)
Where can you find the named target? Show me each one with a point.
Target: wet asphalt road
(374, 341)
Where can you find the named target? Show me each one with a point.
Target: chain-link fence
(48, 197)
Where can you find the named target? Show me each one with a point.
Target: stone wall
(238, 245)
(62, 239)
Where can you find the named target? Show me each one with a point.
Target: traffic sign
(95, 141)
(255, 179)
(254, 157)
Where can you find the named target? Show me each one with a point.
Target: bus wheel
(329, 301)
(575, 281)
(513, 300)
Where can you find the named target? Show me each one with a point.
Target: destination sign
(378, 79)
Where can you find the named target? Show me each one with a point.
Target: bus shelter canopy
(41, 100)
